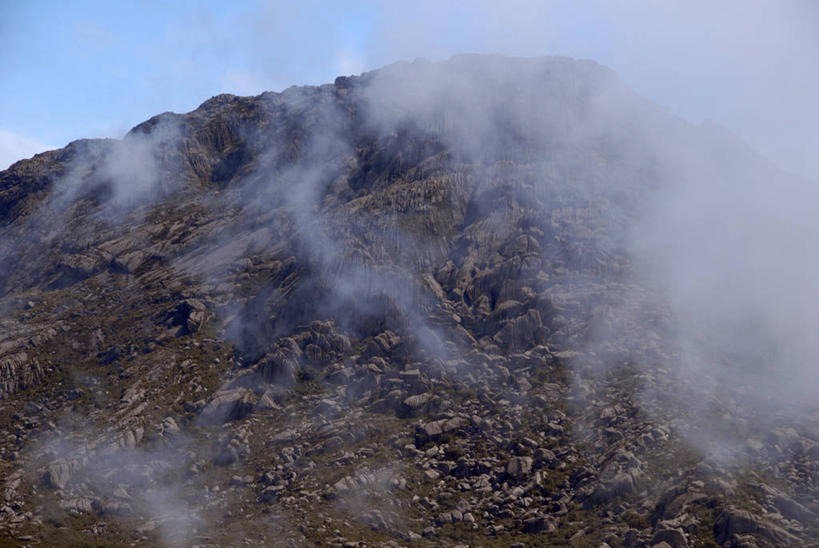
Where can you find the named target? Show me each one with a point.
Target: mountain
(489, 301)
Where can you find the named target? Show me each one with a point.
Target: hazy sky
(95, 69)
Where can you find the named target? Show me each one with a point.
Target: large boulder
(520, 333)
(228, 405)
(731, 522)
(519, 467)
(189, 315)
(434, 430)
(59, 473)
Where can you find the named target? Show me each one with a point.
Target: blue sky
(95, 69)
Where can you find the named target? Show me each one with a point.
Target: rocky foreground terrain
(403, 309)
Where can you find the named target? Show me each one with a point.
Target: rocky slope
(403, 309)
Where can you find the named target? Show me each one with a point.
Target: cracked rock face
(403, 309)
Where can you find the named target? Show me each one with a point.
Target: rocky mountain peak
(485, 301)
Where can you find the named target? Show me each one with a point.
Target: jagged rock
(59, 473)
(519, 467)
(228, 406)
(169, 426)
(190, 314)
(619, 485)
(280, 365)
(328, 408)
(17, 372)
(520, 333)
(80, 505)
(545, 456)
(731, 522)
(677, 501)
(674, 537)
(435, 429)
(417, 405)
(792, 509)
(267, 402)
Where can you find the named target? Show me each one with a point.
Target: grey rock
(539, 524)
(792, 509)
(328, 408)
(434, 429)
(77, 505)
(519, 467)
(733, 521)
(228, 406)
(674, 537)
(59, 473)
(416, 405)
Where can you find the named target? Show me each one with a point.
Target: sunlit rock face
(488, 300)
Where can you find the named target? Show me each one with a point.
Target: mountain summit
(484, 301)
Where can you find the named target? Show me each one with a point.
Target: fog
(717, 240)
(749, 65)
(100, 185)
(730, 245)
(119, 477)
(715, 232)
(724, 236)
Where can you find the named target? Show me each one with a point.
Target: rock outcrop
(400, 309)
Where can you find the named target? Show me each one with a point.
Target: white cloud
(14, 146)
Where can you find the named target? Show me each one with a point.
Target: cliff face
(427, 304)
